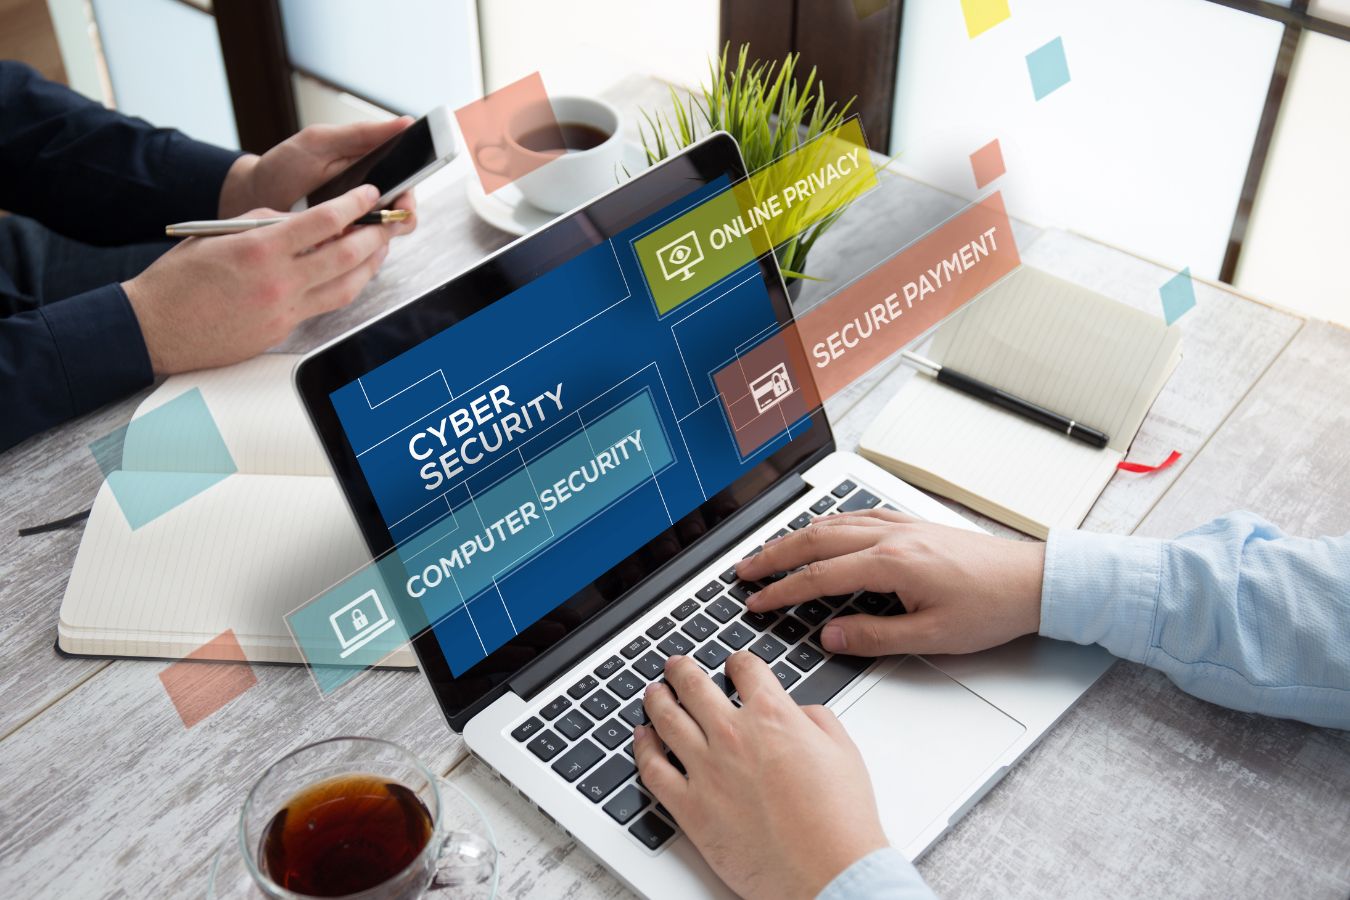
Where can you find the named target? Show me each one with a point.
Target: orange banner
(843, 338)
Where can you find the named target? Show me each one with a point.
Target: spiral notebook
(238, 555)
(1062, 346)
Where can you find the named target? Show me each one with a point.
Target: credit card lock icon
(771, 388)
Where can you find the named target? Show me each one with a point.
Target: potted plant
(763, 107)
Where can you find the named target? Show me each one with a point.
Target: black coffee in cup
(345, 835)
(571, 136)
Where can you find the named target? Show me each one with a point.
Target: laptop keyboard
(585, 734)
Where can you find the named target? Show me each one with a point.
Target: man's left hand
(303, 162)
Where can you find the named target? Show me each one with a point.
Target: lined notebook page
(240, 555)
(256, 410)
(1016, 471)
(1064, 347)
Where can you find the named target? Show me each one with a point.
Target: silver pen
(211, 227)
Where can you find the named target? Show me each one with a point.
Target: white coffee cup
(558, 179)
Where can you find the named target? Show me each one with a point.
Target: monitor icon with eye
(679, 257)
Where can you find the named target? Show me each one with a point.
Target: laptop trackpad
(927, 740)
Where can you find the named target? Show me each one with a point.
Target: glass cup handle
(464, 859)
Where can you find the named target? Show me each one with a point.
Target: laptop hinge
(540, 673)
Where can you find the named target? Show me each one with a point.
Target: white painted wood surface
(1140, 791)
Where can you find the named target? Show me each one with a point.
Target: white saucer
(507, 210)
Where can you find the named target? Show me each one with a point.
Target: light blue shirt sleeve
(880, 875)
(1235, 612)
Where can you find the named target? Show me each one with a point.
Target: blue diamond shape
(163, 458)
(1048, 67)
(1178, 295)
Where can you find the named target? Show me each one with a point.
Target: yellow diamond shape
(981, 15)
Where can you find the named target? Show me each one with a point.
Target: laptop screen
(535, 456)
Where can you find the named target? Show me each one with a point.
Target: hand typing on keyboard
(963, 591)
(774, 795)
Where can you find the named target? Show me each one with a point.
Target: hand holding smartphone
(397, 165)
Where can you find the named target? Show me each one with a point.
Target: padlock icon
(359, 619)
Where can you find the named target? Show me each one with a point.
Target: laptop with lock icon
(360, 622)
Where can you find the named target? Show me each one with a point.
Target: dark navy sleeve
(68, 358)
(94, 174)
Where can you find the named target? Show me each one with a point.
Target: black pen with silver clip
(212, 227)
(990, 394)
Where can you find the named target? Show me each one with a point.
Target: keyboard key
(554, 709)
(708, 591)
(574, 763)
(632, 754)
(822, 504)
(767, 647)
(753, 552)
(723, 609)
(761, 621)
(844, 488)
(782, 532)
(723, 683)
(600, 704)
(742, 590)
(635, 713)
(651, 830)
(860, 500)
(625, 685)
(700, 627)
(651, 665)
(635, 646)
(612, 733)
(804, 657)
(602, 782)
(627, 803)
(814, 611)
(582, 688)
(736, 635)
(786, 675)
(685, 609)
(829, 679)
(712, 654)
(546, 746)
(896, 609)
(675, 645)
(573, 725)
(660, 628)
(873, 603)
(837, 600)
(728, 576)
(526, 728)
(800, 522)
(790, 629)
(675, 761)
(609, 667)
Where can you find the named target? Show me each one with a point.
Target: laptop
(547, 451)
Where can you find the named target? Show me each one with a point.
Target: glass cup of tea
(358, 818)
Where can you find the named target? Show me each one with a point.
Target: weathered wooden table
(1140, 791)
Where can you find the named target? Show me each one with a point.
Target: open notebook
(239, 555)
(1062, 346)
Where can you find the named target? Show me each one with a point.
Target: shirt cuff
(880, 875)
(1101, 589)
(191, 175)
(99, 341)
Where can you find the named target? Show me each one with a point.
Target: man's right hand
(219, 300)
(963, 590)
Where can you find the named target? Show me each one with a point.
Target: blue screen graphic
(521, 453)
